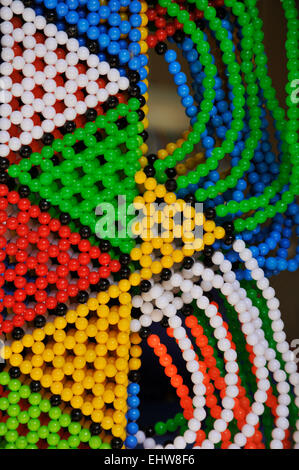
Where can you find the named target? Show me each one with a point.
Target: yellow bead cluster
(85, 357)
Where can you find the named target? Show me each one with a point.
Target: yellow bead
(124, 298)
(28, 340)
(108, 396)
(26, 367)
(36, 374)
(209, 238)
(58, 349)
(97, 416)
(16, 360)
(140, 177)
(156, 267)
(150, 184)
(124, 285)
(134, 279)
(17, 347)
(38, 334)
(135, 351)
(87, 409)
(71, 316)
(59, 336)
(219, 233)
(107, 423)
(66, 394)
(209, 226)
(77, 402)
(103, 297)
(46, 381)
(92, 304)
(37, 361)
(60, 323)
(134, 363)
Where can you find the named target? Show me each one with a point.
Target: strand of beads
(32, 416)
(248, 316)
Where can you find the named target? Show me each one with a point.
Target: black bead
(144, 135)
(28, 3)
(171, 172)
(121, 123)
(51, 16)
(35, 386)
(69, 127)
(60, 309)
(55, 160)
(91, 115)
(14, 372)
(103, 285)
(149, 170)
(136, 312)
(210, 213)
(145, 286)
(24, 191)
(72, 32)
(161, 48)
(112, 102)
(25, 151)
(187, 310)
(134, 90)
(188, 262)
(164, 322)
(85, 231)
(208, 251)
(229, 240)
(44, 205)
(190, 199)
(179, 36)
(165, 274)
(151, 158)
(3, 177)
(149, 431)
(76, 415)
(98, 136)
(11, 184)
(95, 429)
(133, 77)
(113, 61)
(141, 100)
(55, 400)
(105, 246)
(92, 46)
(201, 24)
(116, 443)
(34, 172)
(18, 333)
(82, 297)
(39, 321)
(144, 332)
(4, 163)
(229, 227)
(141, 114)
(208, 262)
(134, 376)
(47, 138)
(124, 258)
(124, 272)
(171, 185)
(64, 218)
(221, 13)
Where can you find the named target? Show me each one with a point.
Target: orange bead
(153, 341)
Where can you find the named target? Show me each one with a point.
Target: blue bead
(131, 442)
(132, 428)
